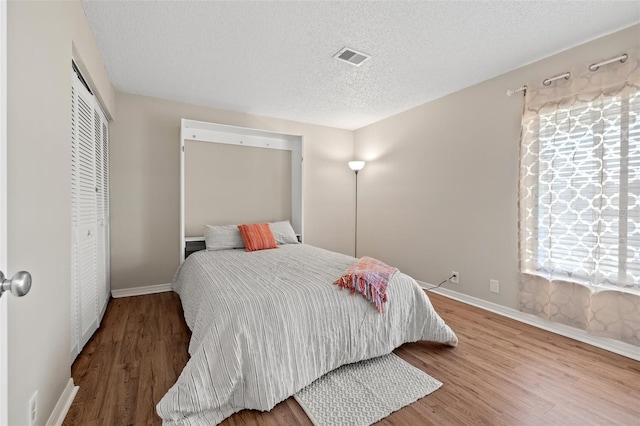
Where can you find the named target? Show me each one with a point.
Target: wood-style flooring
(502, 373)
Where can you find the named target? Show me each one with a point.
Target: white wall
(41, 38)
(439, 192)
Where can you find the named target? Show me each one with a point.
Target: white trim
(4, 370)
(62, 406)
(611, 345)
(244, 136)
(193, 239)
(225, 137)
(140, 291)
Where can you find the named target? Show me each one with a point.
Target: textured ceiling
(275, 58)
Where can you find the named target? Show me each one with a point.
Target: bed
(267, 323)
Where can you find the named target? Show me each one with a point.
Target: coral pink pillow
(257, 236)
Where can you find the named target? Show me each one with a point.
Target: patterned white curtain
(579, 200)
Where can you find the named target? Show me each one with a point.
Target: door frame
(4, 342)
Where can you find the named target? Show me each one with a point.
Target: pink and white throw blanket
(369, 277)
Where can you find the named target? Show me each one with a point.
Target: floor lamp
(356, 166)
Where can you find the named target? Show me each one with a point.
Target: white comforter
(266, 324)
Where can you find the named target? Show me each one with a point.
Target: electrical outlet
(494, 286)
(33, 409)
(455, 278)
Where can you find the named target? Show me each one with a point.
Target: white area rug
(364, 392)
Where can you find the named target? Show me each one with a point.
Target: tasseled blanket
(369, 277)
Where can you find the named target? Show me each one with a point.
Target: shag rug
(364, 392)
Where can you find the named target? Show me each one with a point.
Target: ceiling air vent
(351, 56)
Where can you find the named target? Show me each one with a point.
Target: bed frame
(201, 131)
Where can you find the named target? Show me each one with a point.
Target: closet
(89, 213)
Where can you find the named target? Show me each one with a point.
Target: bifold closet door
(101, 139)
(75, 340)
(85, 229)
(89, 216)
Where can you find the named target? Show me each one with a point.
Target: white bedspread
(266, 324)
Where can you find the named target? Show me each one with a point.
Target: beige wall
(233, 184)
(439, 192)
(41, 36)
(145, 184)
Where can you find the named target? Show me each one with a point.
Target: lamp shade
(356, 165)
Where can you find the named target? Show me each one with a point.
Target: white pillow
(283, 233)
(223, 237)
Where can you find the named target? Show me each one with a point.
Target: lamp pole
(355, 239)
(356, 166)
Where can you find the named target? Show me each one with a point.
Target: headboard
(232, 175)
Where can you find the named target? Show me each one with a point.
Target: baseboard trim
(64, 403)
(611, 345)
(139, 291)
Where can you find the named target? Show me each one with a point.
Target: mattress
(266, 324)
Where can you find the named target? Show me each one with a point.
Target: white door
(84, 218)
(20, 284)
(4, 385)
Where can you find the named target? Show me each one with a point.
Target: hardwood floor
(502, 373)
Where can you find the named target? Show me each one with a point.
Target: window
(580, 190)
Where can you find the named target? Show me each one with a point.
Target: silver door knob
(18, 285)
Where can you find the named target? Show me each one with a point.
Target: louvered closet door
(75, 339)
(90, 289)
(102, 199)
(106, 216)
(85, 232)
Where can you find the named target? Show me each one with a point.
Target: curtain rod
(512, 92)
(567, 75)
(548, 81)
(622, 58)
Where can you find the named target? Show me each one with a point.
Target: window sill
(634, 290)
